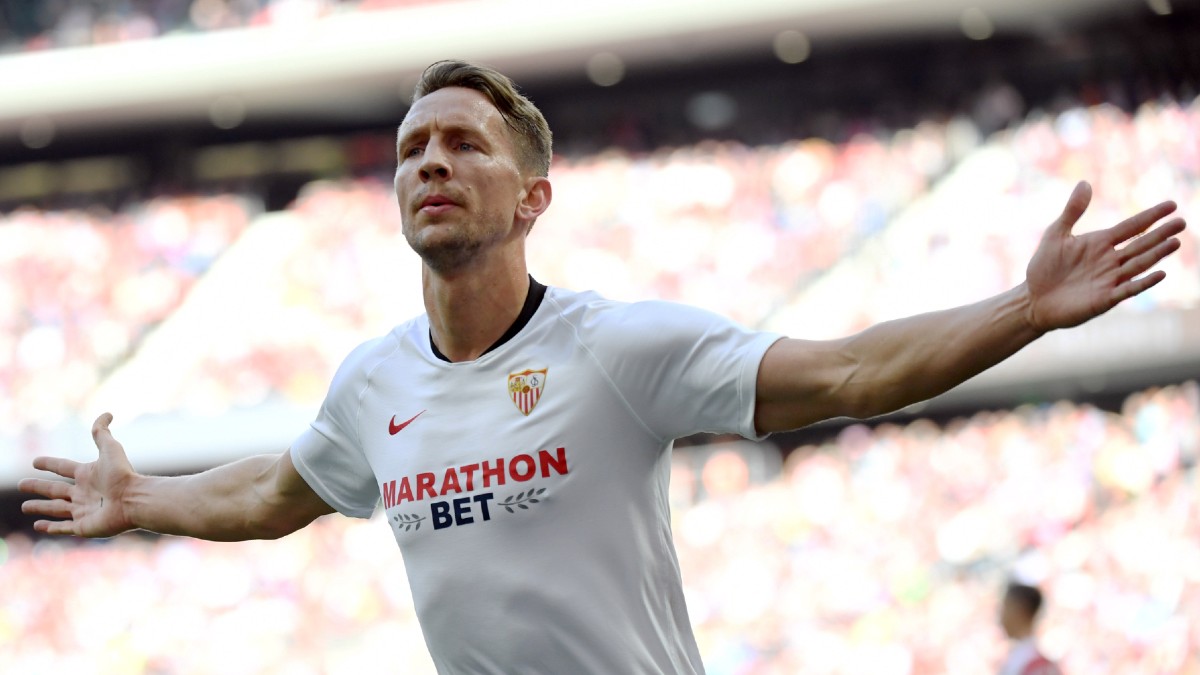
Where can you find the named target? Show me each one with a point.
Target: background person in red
(1018, 616)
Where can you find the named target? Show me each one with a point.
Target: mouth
(435, 204)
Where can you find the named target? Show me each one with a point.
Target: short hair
(1029, 598)
(532, 133)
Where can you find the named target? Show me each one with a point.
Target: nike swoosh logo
(394, 428)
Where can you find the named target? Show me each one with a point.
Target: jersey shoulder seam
(362, 394)
(561, 316)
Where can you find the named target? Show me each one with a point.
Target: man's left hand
(1072, 279)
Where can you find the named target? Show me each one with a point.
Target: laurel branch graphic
(521, 500)
(408, 521)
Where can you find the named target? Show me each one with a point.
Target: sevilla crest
(525, 388)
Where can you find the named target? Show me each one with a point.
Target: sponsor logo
(394, 428)
(455, 496)
(525, 389)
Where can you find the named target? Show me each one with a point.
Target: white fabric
(1022, 652)
(585, 578)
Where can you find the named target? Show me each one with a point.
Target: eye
(465, 146)
(412, 152)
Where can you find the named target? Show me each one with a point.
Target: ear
(535, 201)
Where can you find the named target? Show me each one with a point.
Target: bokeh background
(196, 225)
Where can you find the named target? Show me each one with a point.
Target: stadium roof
(353, 65)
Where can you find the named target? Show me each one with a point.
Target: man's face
(1011, 616)
(458, 181)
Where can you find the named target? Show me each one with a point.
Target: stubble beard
(450, 252)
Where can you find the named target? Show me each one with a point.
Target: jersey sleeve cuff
(748, 382)
(323, 491)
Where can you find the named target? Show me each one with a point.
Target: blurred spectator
(1018, 616)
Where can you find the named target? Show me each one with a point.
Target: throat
(533, 300)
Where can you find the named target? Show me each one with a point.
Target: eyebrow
(446, 128)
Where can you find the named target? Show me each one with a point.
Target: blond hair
(531, 132)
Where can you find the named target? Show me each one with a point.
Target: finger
(54, 508)
(1137, 286)
(1151, 239)
(100, 431)
(63, 467)
(55, 526)
(54, 489)
(1138, 264)
(1135, 225)
(103, 437)
(1077, 203)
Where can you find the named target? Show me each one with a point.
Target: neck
(1021, 633)
(470, 309)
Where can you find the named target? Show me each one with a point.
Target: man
(1018, 612)
(520, 435)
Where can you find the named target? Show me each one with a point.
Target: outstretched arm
(1070, 280)
(259, 497)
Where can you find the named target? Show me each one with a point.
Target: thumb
(1077, 203)
(100, 432)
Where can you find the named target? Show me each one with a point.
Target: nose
(434, 162)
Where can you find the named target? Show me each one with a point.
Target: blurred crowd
(983, 223)
(719, 225)
(92, 284)
(885, 551)
(882, 551)
(809, 237)
(51, 24)
(731, 228)
(350, 276)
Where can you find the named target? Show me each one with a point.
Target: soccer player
(519, 435)
(1018, 613)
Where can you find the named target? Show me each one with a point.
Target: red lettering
(470, 470)
(389, 494)
(461, 479)
(450, 482)
(489, 473)
(559, 462)
(425, 485)
(522, 474)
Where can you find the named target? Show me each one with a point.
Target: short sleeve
(329, 455)
(682, 370)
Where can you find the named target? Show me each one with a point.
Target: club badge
(525, 388)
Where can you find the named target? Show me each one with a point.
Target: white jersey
(528, 489)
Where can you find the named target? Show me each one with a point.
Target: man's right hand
(93, 506)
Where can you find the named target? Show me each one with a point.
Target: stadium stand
(725, 226)
(713, 224)
(985, 220)
(732, 228)
(93, 284)
(878, 551)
